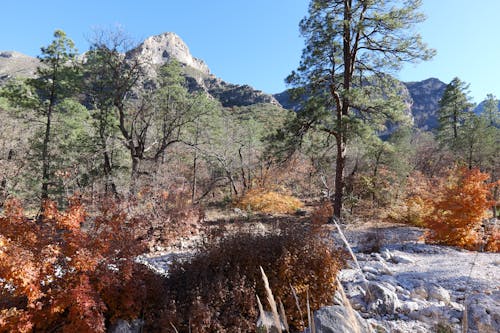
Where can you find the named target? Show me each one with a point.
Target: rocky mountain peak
(16, 64)
(157, 50)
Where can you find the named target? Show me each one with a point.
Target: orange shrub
(268, 201)
(493, 240)
(163, 217)
(458, 209)
(67, 272)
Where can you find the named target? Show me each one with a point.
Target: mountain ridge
(157, 50)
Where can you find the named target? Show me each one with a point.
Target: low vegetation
(268, 201)
(216, 290)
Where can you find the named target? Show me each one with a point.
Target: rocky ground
(404, 285)
(407, 286)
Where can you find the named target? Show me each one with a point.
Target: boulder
(484, 313)
(336, 319)
(438, 293)
(382, 298)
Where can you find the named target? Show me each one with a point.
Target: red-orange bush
(458, 209)
(66, 272)
(493, 240)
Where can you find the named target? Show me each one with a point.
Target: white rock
(382, 298)
(409, 307)
(386, 254)
(336, 319)
(438, 293)
(123, 326)
(369, 269)
(400, 259)
(419, 292)
(484, 312)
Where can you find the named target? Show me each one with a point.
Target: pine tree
(452, 112)
(350, 47)
(56, 79)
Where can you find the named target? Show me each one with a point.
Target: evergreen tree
(491, 111)
(452, 112)
(56, 79)
(350, 46)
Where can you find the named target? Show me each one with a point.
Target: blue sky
(257, 42)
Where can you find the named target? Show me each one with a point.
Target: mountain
(425, 95)
(157, 50)
(480, 107)
(422, 100)
(15, 64)
(154, 52)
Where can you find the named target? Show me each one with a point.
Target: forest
(106, 157)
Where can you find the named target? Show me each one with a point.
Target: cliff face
(158, 50)
(15, 64)
(426, 95)
(421, 98)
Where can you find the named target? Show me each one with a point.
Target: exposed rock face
(421, 98)
(426, 95)
(15, 64)
(157, 50)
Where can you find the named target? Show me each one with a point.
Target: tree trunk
(339, 177)
(195, 170)
(134, 175)
(495, 198)
(45, 157)
(110, 186)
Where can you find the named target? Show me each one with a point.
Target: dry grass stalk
(175, 329)
(350, 311)
(262, 314)
(310, 317)
(283, 316)
(270, 299)
(297, 304)
(349, 248)
(465, 317)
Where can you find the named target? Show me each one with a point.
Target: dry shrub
(493, 239)
(269, 201)
(164, 217)
(417, 210)
(216, 291)
(414, 205)
(321, 215)
(459, 208)
(68, 272)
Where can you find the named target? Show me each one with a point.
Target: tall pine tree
(452, 113)
(350, 47)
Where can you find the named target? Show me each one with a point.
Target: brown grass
(268, 201)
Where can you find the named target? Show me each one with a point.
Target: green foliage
(342, 79)
(453, 108)
(491, 111)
